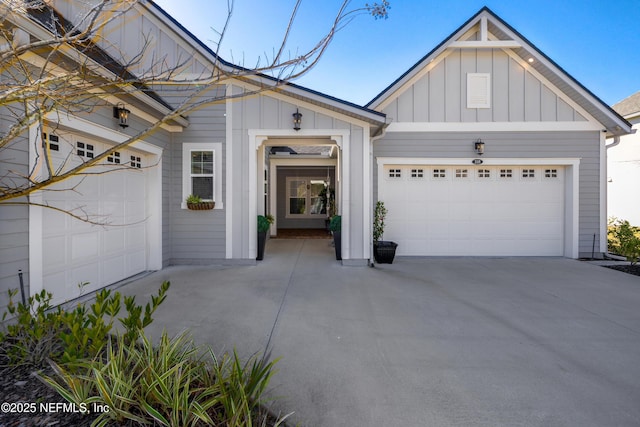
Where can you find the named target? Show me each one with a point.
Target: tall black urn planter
(337, 242)
(262, 241)
(264, 223)
(335, 225)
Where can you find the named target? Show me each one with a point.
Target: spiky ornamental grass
(170, 384)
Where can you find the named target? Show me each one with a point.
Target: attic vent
(478, 90)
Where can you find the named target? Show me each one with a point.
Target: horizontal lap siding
(14, 222)
(196, 236)
(583, 145)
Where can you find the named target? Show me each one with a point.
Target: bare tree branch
(68, 66)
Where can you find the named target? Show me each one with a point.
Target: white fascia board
(489, 44)
(491, 161)
(280, 94)
(492, 126)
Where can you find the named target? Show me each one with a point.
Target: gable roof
(629, 107)
(295, 91)
(506, 37)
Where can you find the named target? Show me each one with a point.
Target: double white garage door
(114, 194)
(474, 210)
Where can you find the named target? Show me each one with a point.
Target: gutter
(379, 133)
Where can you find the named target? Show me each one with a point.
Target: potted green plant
(335, 225)
(264, 222)
(383, 251)
(195, 203)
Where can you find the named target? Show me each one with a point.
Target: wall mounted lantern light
(122, 114)
(297, 120)
(478, 145)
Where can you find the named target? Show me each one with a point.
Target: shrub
(34, 334)
(379, 214)
(192, 198)
(39, 331)
(264, 222)
(624, 240)
(169, 384)
(336, 223)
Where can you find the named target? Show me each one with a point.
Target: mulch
(629, 269)
(20, 386)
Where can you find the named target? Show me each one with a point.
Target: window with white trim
(528, 173)
(417, 173)
(551, 173)
(304, 197)
(201, 172)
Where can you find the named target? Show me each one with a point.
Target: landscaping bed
(21, 385)
(630, 269)
(65, 368)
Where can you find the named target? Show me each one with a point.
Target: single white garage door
(475, 210)
(76, 252)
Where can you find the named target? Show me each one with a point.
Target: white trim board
(492, 127)
(572, 185)
(255, 175)
(154, 194)
(216, 147)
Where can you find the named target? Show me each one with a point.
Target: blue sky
(596, 41)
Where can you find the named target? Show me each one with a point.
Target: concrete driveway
(436, 341)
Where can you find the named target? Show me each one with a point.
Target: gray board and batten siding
(517, 94)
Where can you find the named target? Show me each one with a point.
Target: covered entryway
(302, 184)
(302, 187)
(101, 230)
(465, 210)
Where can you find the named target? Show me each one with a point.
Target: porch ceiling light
(122, 114)
(478, 145)
(297, 120)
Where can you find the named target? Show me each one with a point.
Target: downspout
(378, 134)
(616, 141)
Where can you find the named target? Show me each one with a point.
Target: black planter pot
(384, 252)
(262, 241)
(337, 242)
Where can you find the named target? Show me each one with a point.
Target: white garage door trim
(154, 195)
(572, 165)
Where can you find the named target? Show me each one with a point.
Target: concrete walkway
(435, 341)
